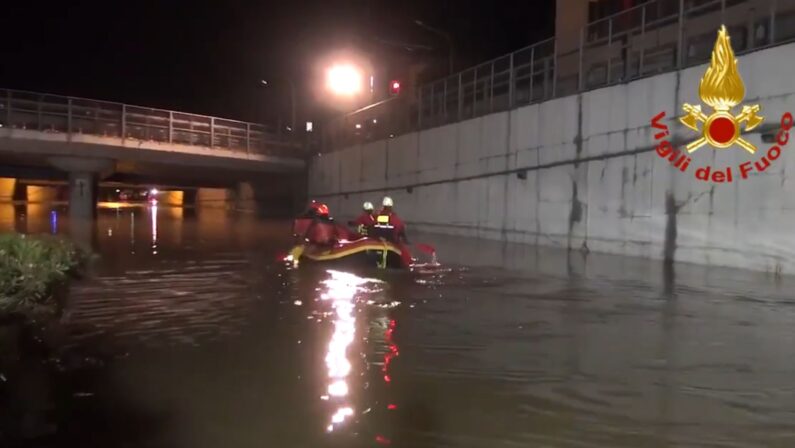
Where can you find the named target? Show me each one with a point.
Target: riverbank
(31, 271)
(34, 276)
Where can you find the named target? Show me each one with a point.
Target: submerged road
(189, 334)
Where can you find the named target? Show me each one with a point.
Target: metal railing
(70, 115)
(651, 38)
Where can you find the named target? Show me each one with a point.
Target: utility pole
(446, 36)
(292, 99)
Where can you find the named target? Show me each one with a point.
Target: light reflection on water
(153, 212)
(341, 291)
(53, 222)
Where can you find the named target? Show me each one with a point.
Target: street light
(344, 80)
(292, 99)
(445, 35)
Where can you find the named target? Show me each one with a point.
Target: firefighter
(366, 220)
(322, 231)
(388, 224)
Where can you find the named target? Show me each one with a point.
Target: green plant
(30, 269)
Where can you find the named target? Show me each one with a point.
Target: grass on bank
(31, 268)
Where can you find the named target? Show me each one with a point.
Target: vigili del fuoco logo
(721, 89)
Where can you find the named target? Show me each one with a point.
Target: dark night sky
(207, 56)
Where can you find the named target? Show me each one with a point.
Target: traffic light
(394, 87)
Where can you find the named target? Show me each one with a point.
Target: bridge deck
(61, 119)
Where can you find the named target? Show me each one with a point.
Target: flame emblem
(721, 88)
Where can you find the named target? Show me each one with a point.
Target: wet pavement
(190, 334)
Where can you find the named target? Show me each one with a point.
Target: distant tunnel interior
(273, 195)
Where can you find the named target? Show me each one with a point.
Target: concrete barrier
(581, 172)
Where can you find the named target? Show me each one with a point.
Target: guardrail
(63, 114)
(651, 38)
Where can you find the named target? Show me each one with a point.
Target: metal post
(38, 112)
(722, 11)
(511, 82)
(750, 27)
(491, 88)
(69, 116)
(680, 35)
(609, 48)
(772, 39)
(642, 39)
(212, 131)
(555, 70)
(546, 79)
(8, 108)
(419, 108)
(293, 124)
(433, 101)
(532, 70)
(475, 93)
(248, 138)
(581, 76)
(444, 100)
(170, 126)
(147, 131)
(460, 97)
(123, 121)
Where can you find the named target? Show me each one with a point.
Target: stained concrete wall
(593, 179)
(272, 195)
(39, 194)
(174, 198)
(7, 188)
(214, 197)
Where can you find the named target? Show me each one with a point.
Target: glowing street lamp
(344, 80)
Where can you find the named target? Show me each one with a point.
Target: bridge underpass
(276, 198)
(51, 143)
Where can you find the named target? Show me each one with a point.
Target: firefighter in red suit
(389, 226)
(322, 231)
(365, 222)
(315, 227)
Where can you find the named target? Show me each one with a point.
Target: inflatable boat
(370, 252)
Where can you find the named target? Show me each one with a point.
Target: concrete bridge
(45, 136)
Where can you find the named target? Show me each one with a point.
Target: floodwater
(188, 333)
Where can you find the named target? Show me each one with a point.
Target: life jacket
(383, 227)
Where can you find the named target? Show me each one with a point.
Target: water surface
(190, 334)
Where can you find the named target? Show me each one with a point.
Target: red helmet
(322, 209)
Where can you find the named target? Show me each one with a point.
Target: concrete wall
(593, 179)
(214, 197)
(174, 198)
(7, 188)
(39, 193)
(271, 195)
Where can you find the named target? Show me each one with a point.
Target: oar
(426, 248)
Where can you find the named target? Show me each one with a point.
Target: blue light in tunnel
(53, 222)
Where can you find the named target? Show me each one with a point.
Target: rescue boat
(369, 252)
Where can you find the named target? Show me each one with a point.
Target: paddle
(426, 248)
(429, 250)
